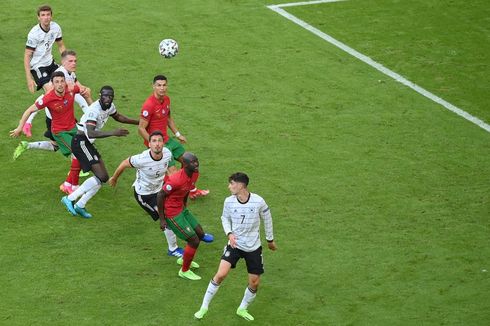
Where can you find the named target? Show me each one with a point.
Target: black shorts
(85, 152)
(254, 261)
(48, 133)
(148, 203)
(42, 75)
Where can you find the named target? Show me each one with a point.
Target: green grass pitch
(380, 197)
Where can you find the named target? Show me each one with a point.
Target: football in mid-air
(168, 48)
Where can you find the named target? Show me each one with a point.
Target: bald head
(190, 162)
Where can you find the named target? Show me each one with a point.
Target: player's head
(156, 142)
(44, 8)
(237, 181)
(159, 77)
(69, 60)
(160, 85)
(58, 81)
(190, 162)
(44, 14)
(106, 96)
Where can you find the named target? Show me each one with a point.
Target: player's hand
(31, 85)
(16, 132)
(163, 223)
(232, 239)
(112, 181)
(272, 245)
(182, 139)
(121, 132)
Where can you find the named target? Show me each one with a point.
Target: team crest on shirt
(168, 187)
(145, 113)
(65, 102)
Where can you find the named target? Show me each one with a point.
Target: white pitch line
(277, 8)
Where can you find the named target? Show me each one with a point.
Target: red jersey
(156, 113)
(176, 188)
(61, 108)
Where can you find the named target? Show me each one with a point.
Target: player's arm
(227, 226)
(85, 92)
(161, 208)
(123, 119)
(142, 124)
(61, 45)
(173, 127)
(92, 133)
(31, 84)
(265, 214)
(120, 169)
(16, 132)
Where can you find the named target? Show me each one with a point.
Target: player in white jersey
(151, 166)
(38, 58)
(241, 217)
(89, 128)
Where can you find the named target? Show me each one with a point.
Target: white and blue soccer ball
(168, 48)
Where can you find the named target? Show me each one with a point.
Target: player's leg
(63, 139)
(149, 204)
(184, 231)
(213, 286)
(206, 237)
(255, 268)
(89, 160)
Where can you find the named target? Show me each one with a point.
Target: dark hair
(159, 77)
(156, 133)
(57, 74)
(44, 8)
(107, 88)
(66, 53)
(239, 177)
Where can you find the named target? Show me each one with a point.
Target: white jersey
(70, 77)
(243, 219)
(149, 172)
(42, 44)
(97, 114)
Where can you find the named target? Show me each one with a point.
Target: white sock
(171, 239)
(42, 145)
(86, 196)
(210, 293)
(248, 298)
(31, 117)
(84, 187)
(81, 102)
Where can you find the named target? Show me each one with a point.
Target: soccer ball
(168, 48)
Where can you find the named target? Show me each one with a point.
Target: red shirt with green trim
(177, 187)
(61, 108)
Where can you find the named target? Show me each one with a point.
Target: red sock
(73, 176)
(189, 253)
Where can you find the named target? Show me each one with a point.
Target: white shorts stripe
(85, 150)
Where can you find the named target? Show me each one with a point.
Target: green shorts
(176, 148)
(63, 139)
(183, 224)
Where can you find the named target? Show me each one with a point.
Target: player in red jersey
(155, 115)
(172, 201)
(63, 127)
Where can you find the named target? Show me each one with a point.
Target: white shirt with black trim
(95, 113)
(149, 172)
(243, 220)
(70, 77)
(42, 43)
